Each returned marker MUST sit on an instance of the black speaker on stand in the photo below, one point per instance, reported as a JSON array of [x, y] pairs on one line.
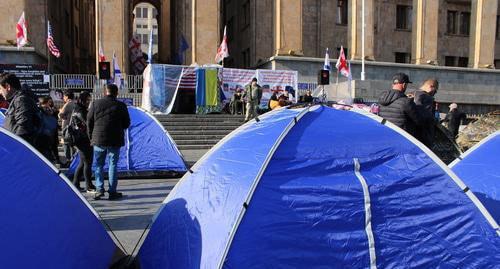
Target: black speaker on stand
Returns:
[[323, 79]]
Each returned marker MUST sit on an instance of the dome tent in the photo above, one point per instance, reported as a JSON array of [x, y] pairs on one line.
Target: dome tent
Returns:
[[45, 220], [318, 187], [149, 150], [479, 168]]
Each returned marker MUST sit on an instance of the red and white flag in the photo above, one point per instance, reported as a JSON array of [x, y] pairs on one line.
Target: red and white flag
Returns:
[[102, 58], [50, 42], [222, 51], [342, 65], [21, 32]]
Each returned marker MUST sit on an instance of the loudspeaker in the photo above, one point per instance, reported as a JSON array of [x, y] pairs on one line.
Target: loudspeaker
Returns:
[[324, 77], [104, 70]]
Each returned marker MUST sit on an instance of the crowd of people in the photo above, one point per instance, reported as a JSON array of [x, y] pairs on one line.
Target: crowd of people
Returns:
[[94, 129]]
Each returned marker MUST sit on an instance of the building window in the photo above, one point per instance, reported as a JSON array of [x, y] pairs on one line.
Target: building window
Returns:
[[463, 61], [342, 12], [464, 23], [451, 22], [145, 39], [497, 63], [155, 26], [402, 57], [403, 17], [498, 28], [145, 12], [155, 39], [138, 13], [155, 13], [449, 61]]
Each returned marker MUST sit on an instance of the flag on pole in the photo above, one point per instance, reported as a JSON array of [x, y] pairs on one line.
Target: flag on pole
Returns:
[[50, 42], [183, 46], [117, 74], [341, 64], [136, 55], [102, 57], [21, 32], [150, 50], [327, 65], [222, 51]]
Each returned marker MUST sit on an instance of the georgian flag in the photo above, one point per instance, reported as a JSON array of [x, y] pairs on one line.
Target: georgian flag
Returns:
[[222, 51], [102, 57], [341, 64], [21, 32]]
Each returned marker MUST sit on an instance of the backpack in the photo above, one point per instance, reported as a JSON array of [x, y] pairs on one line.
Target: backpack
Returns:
[[76, 131]]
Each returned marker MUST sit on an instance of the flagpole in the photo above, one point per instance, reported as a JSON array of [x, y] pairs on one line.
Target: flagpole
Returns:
[[362, 39], [97, 38], [47, 29]]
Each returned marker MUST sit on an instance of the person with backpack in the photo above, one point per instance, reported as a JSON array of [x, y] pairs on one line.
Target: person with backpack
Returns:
[[107, 121], [22, 116], [64, 115], [77, 129]]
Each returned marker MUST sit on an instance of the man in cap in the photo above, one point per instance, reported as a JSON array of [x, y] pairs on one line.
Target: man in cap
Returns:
[[454, 118], [396, 107], [424, 99], [253, 93]]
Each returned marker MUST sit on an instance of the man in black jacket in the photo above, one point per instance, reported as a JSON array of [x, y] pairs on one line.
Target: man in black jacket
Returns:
[[107, 121], [454, 118], [21, 117], [424, 99], [397, 108]]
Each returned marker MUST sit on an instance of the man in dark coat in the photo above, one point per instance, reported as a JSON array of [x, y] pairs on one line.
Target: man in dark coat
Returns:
[[107, 120], [454, 118], [396, 107], [21, 118], [424, 99]]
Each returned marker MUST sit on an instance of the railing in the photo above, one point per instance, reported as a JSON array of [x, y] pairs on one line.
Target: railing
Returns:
[[80, 82]]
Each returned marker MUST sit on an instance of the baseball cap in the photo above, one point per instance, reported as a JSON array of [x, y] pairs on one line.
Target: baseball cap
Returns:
[[400, 78]]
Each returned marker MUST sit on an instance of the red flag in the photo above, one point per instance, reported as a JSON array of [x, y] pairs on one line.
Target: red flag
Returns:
[[341, 64], [222, 51], [102, 58], [21, 32]]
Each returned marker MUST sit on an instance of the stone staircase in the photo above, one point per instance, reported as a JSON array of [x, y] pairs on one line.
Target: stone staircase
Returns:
[[199, 132]]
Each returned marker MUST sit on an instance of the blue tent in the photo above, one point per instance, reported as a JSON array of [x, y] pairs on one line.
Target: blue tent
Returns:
[[2, 116], [316, 187], [149, 149], [45, 222], [479, 168]]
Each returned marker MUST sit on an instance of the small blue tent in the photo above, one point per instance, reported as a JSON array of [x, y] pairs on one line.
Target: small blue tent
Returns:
[[45, 222], [316, 187], [149, 150], [479, 168], [2, 116]]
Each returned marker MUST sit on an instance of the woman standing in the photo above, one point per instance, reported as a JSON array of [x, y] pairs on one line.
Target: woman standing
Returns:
[[82, 142]]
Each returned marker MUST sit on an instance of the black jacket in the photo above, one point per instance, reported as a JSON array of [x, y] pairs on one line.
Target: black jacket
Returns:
[[425, 109], [80, 112], [454, 119], [400, 110], [107, 120], [22, 116]]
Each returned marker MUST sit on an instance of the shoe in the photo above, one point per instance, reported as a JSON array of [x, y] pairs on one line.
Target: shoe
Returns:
[[115, 195], [91, 190], [98, 195]]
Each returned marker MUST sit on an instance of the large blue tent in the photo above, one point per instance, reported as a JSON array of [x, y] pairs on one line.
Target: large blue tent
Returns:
[[149, 149], [44, 220], [316, 187], [479, 168]]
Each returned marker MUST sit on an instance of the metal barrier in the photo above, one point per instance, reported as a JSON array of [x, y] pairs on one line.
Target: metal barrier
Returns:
[[80, 82]]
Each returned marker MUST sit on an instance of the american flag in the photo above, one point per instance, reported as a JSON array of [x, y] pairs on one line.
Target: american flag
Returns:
[[50, 42]]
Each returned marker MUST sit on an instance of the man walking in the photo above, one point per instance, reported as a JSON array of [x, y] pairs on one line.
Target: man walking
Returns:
[[424, 100], [21, 118], [253, 93], [65, 114], [454, 118], [107, 120], [397, 108]]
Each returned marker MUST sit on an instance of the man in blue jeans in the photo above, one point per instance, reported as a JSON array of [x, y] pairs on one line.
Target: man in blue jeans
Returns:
[[107, 121]]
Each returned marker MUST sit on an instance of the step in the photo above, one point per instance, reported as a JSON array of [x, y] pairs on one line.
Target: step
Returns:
[[197, 142], [197, 137], [233, 119], [187, 147], [206, 123], [161, 116], [198, 132], [200, 128]]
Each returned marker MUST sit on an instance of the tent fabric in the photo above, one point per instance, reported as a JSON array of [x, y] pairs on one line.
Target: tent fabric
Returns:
[[148, 148], [2, 117], [479, 168], [45, 222], [315, 188]]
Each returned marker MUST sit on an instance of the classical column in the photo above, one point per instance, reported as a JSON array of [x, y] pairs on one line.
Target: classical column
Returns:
[[355, 28], [482, 34], [205, 36], [425, 31], [112, 30], [288, 27]]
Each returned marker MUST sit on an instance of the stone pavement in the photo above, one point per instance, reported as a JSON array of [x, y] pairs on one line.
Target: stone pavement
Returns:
[[129, 216]]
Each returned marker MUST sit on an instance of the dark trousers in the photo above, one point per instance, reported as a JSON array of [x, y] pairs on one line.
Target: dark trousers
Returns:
[[86, 154], [68, 152]]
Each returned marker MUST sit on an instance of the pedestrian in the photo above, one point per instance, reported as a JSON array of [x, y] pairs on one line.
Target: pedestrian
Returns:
[[46, 138], [64, 115], [424, 100], [236, 103], [273, 101], [396, 107], [454, 118], [107, 120], [253, 92], [308, 98], [54, 145], [21, 116]]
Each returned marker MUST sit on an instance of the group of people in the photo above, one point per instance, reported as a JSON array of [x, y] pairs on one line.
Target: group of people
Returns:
[[416, 113], [95, 129]]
